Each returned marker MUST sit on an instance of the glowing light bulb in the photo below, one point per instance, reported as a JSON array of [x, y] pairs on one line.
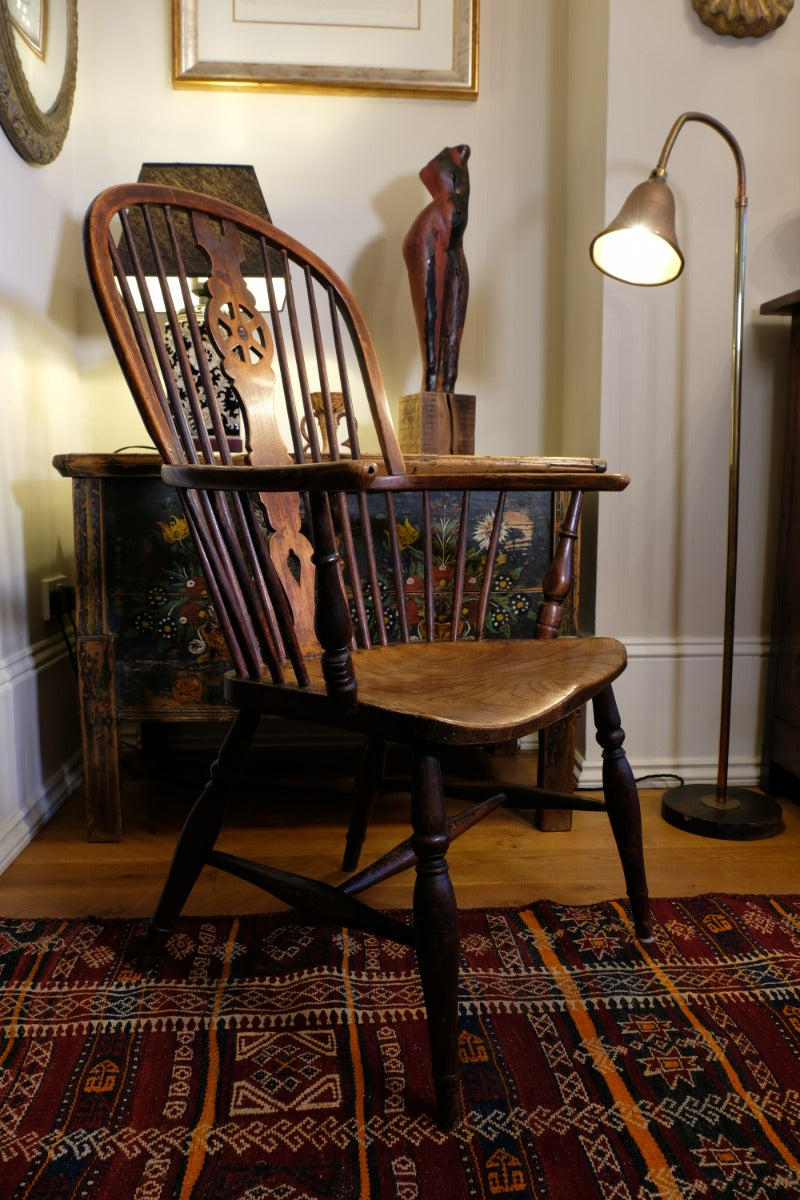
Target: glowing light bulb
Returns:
[[636, 255]]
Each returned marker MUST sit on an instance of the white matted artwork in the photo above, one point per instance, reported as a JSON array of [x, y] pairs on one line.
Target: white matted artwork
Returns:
[[424, 48], [29, 17], [385, 14]]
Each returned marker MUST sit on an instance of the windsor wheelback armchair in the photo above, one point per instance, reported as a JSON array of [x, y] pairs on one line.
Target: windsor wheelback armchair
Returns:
[[255, 374]]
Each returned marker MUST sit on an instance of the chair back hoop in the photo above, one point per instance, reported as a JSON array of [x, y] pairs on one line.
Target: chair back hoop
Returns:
[[240, 346]]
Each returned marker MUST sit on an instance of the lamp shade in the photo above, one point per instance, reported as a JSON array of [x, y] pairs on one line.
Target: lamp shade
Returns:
[[640, 245], [238, 185], [232, 182]]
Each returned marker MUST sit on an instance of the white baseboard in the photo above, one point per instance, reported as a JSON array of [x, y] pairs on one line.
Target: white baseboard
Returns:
[[669, 698], [20, 828], [669, 702], [39, 741], [659, 774]]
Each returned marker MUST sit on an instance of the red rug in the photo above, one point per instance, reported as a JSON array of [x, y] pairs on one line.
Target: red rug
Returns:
[[267, 1059]]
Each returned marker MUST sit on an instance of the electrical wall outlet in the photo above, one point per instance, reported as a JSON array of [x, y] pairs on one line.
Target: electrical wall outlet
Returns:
[[50, 588]]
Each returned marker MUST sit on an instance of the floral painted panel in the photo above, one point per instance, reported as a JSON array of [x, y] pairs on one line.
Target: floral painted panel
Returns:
[[169, 648], [171, 656], [524, 553]]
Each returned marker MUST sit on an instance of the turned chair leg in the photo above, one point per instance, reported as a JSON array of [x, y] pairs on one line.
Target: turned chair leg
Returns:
[[436, 931], [201, 828], [622, 805], [370, 774]]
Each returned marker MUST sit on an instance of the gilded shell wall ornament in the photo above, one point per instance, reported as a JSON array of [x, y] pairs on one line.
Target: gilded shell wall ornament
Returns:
[[743, 18]]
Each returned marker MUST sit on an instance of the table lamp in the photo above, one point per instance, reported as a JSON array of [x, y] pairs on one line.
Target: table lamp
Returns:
[[238, 185]]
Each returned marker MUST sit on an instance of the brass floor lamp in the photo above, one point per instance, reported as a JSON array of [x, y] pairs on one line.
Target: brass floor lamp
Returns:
[[640, 246]]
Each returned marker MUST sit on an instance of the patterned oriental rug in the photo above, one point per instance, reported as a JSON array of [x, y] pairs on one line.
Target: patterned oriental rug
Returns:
[[268, 1059]]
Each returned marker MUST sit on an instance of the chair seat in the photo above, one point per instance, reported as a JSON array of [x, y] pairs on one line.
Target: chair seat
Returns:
[[453, 693]]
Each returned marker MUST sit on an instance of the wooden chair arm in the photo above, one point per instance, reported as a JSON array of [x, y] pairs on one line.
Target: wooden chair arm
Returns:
[[347, 475], [498, 479], [344, 475], [417, 464]]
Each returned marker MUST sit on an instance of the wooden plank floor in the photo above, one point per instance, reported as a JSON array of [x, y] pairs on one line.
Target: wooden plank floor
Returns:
[[503, 861]]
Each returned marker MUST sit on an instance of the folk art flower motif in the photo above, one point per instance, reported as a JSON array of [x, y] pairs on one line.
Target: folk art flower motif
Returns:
[[511, 609], [177, 614], [187, 689], [174, 530], [406, 534], [482, 532], [175, 617]]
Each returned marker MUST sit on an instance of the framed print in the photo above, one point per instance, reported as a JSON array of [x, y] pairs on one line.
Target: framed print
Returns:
[[30, 17], [418, 48]]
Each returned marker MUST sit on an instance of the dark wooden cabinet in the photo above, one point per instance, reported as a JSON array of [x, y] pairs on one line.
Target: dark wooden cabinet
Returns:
[[147, 649], [782, 719]]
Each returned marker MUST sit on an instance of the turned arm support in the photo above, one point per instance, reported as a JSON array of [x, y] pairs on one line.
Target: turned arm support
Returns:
[[332, 623], [557, 583]]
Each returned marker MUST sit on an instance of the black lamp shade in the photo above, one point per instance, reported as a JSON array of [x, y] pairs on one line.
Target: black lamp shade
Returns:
[[236, 184]]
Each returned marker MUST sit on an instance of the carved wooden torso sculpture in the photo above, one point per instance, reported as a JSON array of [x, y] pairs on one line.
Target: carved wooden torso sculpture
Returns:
[[437, 269]]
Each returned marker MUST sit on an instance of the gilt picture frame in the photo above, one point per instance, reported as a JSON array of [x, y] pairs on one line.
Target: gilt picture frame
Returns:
[[414, 48]]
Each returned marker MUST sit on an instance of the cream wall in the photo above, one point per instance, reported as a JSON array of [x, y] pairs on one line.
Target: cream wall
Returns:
[[665, 379], [41, 407], [341, 174], [576, 97]]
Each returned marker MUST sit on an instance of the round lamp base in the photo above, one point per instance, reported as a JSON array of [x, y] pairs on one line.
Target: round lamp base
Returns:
[[743, 816]]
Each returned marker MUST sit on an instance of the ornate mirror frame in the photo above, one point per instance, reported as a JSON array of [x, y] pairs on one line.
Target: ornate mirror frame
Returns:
[[36, 136]]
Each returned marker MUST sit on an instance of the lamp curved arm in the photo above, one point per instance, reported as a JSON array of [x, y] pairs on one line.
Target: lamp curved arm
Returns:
[[661, 168]]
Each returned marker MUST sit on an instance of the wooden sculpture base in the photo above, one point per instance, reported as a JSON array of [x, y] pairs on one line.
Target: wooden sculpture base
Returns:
[[437, 423]]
